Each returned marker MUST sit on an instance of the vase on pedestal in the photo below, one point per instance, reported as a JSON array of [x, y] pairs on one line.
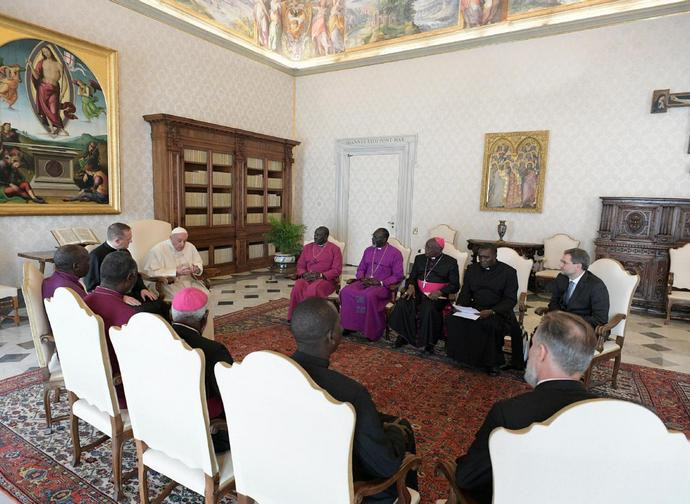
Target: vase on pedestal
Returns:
[[501, 228]]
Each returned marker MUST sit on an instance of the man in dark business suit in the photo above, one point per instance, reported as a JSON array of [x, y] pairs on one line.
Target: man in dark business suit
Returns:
[[578, 291], [380, 441], [561, 351]]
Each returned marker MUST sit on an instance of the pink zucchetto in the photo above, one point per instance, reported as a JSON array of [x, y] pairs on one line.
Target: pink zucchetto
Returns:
[[189, 299], [441, 242]]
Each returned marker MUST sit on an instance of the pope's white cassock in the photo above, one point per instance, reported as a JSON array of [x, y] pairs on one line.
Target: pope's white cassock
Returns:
[[163, 260]]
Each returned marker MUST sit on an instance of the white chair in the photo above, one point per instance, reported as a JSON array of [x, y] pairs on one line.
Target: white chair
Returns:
[[166, 396], [443, 231], [146, 234], [595, 451], [80, 341], [678, 278], [523, 267], [10, 293], [461, 257], [42, 337], [553, 252], [291, 441], [406, 252], [621, 286]]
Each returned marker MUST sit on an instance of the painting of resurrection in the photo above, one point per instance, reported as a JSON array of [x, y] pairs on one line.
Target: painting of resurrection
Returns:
[[514, 171], [55, 125]]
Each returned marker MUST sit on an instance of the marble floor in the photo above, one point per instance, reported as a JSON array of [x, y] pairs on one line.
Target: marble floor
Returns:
[[648, 341]]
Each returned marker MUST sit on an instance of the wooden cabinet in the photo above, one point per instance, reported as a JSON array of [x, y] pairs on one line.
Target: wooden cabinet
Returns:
[[638, 232], [222, 184]]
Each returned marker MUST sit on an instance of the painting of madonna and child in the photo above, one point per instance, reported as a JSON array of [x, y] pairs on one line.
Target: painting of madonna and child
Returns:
[[514, 171], [54, 131]]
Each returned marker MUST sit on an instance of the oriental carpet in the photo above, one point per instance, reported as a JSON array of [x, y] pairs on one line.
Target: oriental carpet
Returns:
[[444, 403]]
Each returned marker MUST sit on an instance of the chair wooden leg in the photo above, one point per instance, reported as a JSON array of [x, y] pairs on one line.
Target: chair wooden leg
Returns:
[[141, 468], [616, 366], [15, 307], [211, 489], [669, 304], [243, 499], [46, 406], [117, 440], [76, 447]]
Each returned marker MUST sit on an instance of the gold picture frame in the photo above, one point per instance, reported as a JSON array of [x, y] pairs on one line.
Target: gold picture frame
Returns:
[[59, 113], [514, 171]]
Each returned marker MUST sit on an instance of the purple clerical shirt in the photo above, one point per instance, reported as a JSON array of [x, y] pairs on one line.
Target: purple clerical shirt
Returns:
[[61, 279], [384, 264], [113, 310]]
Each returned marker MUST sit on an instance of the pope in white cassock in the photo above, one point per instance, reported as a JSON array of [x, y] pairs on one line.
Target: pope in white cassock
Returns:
[[175, 258]]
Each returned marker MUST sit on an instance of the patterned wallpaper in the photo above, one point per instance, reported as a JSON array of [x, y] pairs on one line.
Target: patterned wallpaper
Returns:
[[161, 70], [592, 91]]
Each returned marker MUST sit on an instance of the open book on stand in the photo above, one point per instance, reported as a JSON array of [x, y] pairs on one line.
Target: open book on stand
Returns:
[[77, 236]]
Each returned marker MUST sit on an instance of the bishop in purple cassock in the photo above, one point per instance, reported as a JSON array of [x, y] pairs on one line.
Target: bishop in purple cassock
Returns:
[[363, 302]]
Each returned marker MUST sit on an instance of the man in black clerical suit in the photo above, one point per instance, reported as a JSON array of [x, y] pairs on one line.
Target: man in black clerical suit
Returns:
[[417, 316], [578, 291], [561, 351], [380, 441], [489, 286], [118, 237]]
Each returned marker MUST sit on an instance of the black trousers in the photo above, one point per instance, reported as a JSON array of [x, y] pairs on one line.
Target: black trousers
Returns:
[[418, 320]]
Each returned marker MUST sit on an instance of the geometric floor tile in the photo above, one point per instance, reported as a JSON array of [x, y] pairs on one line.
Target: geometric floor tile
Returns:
[[655, 346], [653, 335], [660, 361], [29, 345], [13, 357]]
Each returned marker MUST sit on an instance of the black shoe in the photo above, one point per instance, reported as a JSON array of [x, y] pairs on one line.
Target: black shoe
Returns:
[[399, 342], [348, 331], [492, 371], [429, 349]]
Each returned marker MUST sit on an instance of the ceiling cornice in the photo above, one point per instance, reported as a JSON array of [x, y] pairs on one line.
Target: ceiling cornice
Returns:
[[527, 28]]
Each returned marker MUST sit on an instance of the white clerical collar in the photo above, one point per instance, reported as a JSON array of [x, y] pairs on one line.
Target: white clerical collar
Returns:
[[575, 280]]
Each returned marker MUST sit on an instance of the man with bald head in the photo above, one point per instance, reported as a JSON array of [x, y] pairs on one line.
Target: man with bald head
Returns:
[[417, 316], [380, 441], [71, 263], [318, 269], [178, 261]]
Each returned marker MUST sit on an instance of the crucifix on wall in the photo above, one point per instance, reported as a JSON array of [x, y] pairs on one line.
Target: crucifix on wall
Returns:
[[662, 100]]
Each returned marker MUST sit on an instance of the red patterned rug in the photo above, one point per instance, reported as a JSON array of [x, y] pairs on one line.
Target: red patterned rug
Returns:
[[445, 404]]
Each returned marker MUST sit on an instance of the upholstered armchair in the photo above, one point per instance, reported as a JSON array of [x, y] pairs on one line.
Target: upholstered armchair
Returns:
[[443, 231], [554, 247], [42, 336], [285, 454], [80, 341], [678, 291], [146, 234], [334, 298], [456, 495], [568, 454], [621, 286], [523, 267], [166, 398]]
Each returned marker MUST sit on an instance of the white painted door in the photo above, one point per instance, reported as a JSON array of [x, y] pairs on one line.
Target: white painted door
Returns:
[[372, 200]]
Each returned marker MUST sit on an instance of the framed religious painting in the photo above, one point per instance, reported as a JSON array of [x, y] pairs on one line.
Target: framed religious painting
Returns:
[[58, 123], [514, 171]]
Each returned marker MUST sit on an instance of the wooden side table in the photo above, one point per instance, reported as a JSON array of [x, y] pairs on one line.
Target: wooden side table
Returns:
[[42, 257]]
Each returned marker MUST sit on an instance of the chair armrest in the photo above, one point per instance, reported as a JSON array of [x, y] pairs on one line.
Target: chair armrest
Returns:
[[541, 310], [218, 424], [365, 488], [522, 307], [602, 332], [46, 338], [157, 279], [669, 287], [446, 468], [209, 272]]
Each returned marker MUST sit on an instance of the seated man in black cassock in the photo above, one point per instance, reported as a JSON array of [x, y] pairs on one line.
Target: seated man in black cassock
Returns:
[[380, 441], [561, 351], [490, 286], [418, 314], [118, 237], [578, 291]]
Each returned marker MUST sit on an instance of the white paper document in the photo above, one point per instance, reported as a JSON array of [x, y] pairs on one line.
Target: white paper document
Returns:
[[466, 312]]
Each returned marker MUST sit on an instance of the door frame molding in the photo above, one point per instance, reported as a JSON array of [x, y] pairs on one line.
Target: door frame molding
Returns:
[[405, 146]]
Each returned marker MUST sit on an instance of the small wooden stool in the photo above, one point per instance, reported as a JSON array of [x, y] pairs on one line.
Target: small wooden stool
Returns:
[[10, 292]]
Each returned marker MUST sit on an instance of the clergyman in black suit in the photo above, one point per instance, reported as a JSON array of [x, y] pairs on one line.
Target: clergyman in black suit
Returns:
[[578, 291], [561, 351], [380, 440]]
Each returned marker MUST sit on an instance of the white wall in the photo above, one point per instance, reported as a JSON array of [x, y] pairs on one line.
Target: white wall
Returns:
[[591, 90], [161, 70]]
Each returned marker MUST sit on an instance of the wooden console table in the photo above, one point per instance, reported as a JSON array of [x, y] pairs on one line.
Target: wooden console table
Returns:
[[528, 250], [42, 257]]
